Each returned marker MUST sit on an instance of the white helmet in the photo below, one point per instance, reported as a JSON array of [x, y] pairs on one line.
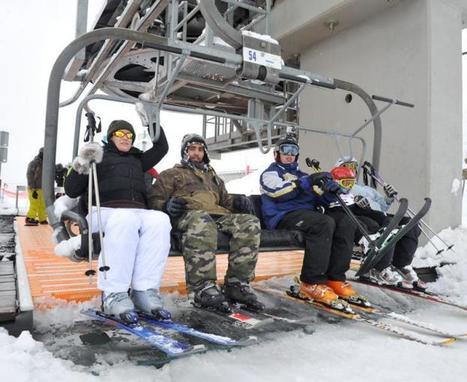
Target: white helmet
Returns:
[[346, 159]]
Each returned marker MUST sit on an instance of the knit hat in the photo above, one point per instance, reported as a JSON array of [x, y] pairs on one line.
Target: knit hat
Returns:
[[188, 140], [120, 125]]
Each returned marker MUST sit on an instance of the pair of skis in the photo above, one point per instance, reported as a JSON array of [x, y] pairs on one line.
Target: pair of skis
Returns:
[[391, 235], [155, 333], [413, 292], [371, 316]]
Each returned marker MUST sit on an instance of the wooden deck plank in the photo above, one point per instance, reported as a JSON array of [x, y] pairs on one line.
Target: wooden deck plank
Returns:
[[58, 277]]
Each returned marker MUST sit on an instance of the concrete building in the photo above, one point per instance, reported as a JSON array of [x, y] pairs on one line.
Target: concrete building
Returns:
[[409, 50]]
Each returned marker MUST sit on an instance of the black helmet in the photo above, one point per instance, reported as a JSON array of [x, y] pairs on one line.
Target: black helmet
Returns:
[[287, 141], [189, 139]]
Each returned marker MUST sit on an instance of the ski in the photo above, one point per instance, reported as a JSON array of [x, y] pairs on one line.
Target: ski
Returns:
[[413, 292], [366, 319], [386, 242], [184, 329], [172, 348], [237, 316], [406, 320]]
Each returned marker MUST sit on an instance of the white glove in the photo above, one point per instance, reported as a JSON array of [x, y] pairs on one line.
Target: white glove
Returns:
[[362, 202], [81, 166], [67, 248], [64, 203], [91, 152]]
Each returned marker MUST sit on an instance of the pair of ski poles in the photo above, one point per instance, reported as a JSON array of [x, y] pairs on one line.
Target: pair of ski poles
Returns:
[[314, 164], [93, 187], [378, 179]]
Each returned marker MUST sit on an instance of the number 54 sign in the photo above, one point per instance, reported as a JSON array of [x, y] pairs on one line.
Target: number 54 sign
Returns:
[[262, 58]]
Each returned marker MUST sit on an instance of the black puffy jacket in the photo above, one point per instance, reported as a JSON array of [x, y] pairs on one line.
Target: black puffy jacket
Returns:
[[120, 175]]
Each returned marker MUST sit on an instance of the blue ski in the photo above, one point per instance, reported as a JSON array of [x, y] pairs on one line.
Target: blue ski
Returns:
[[172, 348], [184, 329]]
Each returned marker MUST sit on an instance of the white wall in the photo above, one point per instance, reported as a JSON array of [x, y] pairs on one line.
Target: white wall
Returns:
[[412, 52]]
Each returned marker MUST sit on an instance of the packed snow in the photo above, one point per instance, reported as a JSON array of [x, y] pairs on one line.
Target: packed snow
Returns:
[[334, 352]]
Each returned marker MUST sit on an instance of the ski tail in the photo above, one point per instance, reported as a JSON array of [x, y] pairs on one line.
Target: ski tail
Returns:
[[187, 330], [378, 247], [416, 293], [169, 346], [388, 242]]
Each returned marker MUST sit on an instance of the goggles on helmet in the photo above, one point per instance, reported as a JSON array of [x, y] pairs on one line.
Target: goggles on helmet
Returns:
[[346, 182], [288, 149], [352, 165]]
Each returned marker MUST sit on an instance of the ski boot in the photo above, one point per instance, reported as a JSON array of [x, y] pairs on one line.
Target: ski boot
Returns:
[[119, 305], [211, 298], [242, 293], [30, 222], [345, 291], [388, 276], [324, 295], [409, 275], [149, 301]]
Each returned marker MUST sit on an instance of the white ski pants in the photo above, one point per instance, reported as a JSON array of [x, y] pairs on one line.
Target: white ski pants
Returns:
[[136, 246]]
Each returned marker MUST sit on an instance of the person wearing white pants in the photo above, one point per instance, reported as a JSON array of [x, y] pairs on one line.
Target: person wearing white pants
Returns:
[[136, 240], [136, 244]]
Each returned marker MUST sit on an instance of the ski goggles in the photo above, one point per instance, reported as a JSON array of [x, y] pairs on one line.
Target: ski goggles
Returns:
[[352, 165], [346, 182], [121, 134], [288, 149]]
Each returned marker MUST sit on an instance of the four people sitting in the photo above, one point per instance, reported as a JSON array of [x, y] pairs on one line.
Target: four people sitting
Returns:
[[199, 206]]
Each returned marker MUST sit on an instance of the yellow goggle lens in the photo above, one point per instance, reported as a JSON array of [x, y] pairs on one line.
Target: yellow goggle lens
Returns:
[[121, 134], [346, 182]]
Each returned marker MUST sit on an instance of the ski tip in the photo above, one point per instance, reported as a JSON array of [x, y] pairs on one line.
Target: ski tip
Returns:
[[200, 348], [447, 341], [250, 340]]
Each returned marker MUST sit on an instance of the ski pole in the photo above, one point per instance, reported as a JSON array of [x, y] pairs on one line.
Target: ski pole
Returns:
[[438, 251], [381, 182], [313, 163]]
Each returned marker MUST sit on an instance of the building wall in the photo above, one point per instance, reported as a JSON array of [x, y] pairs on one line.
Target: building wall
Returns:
[[412, 52]]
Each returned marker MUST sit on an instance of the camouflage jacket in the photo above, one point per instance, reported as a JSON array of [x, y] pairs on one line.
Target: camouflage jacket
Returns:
[[203, 190], [34, 173]]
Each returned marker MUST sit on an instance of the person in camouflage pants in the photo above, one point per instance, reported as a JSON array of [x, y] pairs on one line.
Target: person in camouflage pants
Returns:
[[199, 205]]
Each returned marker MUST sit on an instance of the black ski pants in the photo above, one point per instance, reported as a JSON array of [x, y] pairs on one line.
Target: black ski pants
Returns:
[[403, 252], [328, 243]]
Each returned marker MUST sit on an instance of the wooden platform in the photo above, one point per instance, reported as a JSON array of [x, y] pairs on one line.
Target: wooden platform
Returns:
[[58, 277]]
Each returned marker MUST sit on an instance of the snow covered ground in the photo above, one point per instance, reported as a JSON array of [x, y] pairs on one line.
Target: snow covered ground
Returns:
[[345, 351]]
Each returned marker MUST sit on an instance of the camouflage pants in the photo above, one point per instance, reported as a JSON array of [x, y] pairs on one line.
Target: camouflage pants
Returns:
[[199, 244]]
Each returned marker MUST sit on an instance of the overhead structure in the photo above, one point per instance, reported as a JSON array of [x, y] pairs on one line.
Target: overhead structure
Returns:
[[202, 57]]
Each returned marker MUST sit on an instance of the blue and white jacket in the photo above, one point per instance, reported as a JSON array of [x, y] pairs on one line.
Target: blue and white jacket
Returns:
[[281, 193], [377, 201]]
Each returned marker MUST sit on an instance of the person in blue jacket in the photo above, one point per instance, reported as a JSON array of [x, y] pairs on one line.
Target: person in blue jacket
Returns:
[[292, 199]]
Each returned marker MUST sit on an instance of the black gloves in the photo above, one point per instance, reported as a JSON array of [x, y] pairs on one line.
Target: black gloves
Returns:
[[321, 182], [34, 194], [362, 202], [332, 186], [243, 205], [175, 207]]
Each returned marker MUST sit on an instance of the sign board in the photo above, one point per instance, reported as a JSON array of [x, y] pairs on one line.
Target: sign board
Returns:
[[4, 135]]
